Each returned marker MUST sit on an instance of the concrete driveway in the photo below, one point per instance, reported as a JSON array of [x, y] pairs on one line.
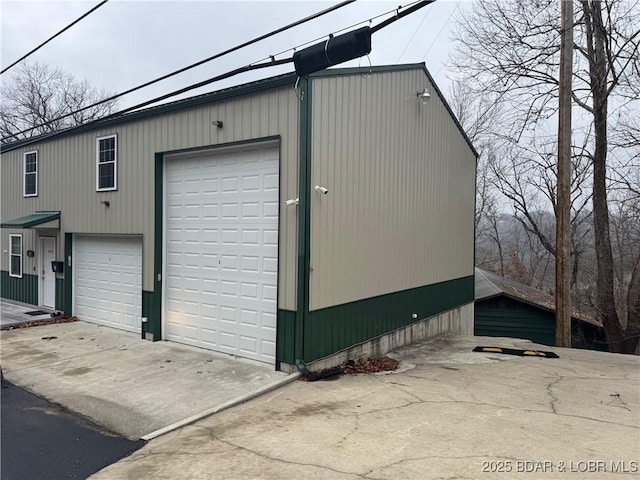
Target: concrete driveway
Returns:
[[448, 413], [130, 386]]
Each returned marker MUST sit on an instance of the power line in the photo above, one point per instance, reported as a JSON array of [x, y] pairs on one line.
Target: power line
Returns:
[[414, 35], [54, 36], [441, 30], [368, 20], [399, 14], [410, 8], [230, 73], [189, 67]]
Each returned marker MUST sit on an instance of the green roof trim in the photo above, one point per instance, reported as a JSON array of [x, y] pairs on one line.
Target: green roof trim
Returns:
[[287, 79], [33, 220], [278, 81]]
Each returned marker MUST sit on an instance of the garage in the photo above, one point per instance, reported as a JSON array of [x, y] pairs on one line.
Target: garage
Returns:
[[107, 276], [221, 251]]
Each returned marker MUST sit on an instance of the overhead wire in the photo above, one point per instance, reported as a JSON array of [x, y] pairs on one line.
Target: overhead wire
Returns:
[[259, 64], [191, 66], [414, 35], [441, 30], [271, 61], [344, 29], [54, 36], [217, 78]]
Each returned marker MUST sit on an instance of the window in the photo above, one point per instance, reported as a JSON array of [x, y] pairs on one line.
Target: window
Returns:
[[30, 174], [106, 163], [15, 254]]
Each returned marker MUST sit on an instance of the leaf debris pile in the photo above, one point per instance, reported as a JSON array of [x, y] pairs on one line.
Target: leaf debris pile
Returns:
[[369, 365], [39, 323]]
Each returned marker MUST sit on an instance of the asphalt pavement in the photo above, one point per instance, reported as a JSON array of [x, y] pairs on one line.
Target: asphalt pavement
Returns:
[[41, 440]]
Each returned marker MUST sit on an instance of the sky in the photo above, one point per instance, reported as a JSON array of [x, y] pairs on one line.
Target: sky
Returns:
[[126, 43]]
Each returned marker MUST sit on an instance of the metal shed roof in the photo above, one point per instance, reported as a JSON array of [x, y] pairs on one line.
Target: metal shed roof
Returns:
[[489, 285]]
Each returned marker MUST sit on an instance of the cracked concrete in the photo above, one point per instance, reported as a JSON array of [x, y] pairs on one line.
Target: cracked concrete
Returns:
[[451, 413]]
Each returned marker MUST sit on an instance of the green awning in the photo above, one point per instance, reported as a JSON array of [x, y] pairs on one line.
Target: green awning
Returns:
[[33, 220]]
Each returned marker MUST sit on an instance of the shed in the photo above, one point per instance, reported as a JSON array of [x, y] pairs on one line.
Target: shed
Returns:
[[506, 308], [283, 219]]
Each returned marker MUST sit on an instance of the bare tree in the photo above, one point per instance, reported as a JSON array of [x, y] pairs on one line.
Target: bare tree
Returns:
[[510, 49], [37, 94]]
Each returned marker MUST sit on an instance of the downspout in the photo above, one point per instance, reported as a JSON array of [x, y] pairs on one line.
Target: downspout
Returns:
[[304, 215]]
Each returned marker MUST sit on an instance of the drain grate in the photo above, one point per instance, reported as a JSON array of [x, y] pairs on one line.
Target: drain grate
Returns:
[[33, 313]]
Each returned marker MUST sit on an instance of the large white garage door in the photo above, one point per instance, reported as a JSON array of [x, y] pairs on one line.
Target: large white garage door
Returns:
[[107, 276], [221, 257]]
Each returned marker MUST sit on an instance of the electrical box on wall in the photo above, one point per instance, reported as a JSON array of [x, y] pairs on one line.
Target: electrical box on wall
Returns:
[[57, 266]]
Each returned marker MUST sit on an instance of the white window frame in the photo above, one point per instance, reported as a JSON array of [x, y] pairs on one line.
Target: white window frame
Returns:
[[11, 255], [25, 173], [115, 163]]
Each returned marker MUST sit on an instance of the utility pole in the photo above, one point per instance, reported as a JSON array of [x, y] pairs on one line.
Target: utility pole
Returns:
[[563, 197]]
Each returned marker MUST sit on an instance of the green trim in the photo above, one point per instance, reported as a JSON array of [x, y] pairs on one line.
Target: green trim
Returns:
[[304, 215], [338, 72], [216, 96], [60, 294], [152, 306], [332, 329], [287, 79], [23, 289], [68, 274], [28, 221], [285, 332], [151, 309], [244, 89], [218, 146], [451, 114]]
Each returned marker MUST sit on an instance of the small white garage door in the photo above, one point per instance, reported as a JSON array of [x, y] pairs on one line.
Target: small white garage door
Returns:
[[221, 252], [107, 276]]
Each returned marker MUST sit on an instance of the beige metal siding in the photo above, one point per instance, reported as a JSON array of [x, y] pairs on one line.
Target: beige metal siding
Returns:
[[401, 180], [29, 242], [67, 172]]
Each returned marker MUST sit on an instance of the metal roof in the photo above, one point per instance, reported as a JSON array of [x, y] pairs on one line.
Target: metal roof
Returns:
[[243, 89], [32, 220], [490, 285]]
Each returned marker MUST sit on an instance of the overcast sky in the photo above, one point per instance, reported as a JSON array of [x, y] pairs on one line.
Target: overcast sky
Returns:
[[125, 43]]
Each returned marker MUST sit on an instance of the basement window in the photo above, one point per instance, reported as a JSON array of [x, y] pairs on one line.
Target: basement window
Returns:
[[106, 163], [15, 254], [30, 186]]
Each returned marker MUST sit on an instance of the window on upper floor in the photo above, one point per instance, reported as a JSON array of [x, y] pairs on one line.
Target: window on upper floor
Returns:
[[30, 186], [106, 163], [15, 256]]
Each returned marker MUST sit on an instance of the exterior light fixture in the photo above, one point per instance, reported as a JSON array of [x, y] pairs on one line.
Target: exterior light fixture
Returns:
[[105, 203], [424, 95], [217, 123]]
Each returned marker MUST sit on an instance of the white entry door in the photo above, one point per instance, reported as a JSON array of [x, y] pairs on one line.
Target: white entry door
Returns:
[[47, 285], [221, 252]]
